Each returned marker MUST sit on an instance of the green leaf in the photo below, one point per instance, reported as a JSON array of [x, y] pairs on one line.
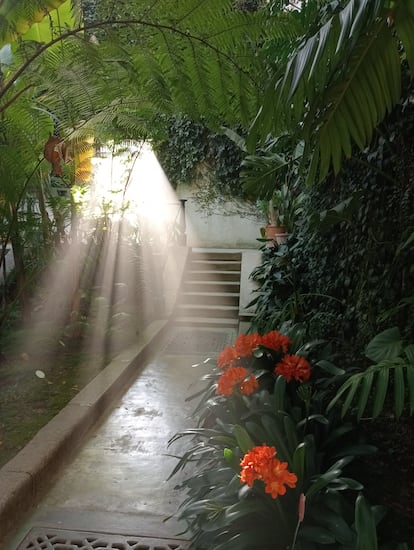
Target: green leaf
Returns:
[[45, 30], [290, 431], [298, 461], [349, 483], [356, 450], [409, 352], [322, 481], [352, 390], [279, 393], [327, 366], [367, 380], [410, 380], [404, 23], [317, 417], [316, 534], [365, 525], [17, 20], [381, 391], [385, 345], [276, 436], [243, 439], [334, 523], [399, 390]]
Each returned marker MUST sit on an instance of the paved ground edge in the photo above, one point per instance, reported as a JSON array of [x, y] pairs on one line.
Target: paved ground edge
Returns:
[[25, 478]]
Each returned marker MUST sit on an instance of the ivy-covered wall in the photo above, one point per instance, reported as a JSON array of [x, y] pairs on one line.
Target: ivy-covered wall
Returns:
[[190, 147], [348, 272]]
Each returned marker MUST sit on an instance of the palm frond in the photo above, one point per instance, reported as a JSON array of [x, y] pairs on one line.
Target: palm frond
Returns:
[[375, 384], [340, 82], [349, 111]]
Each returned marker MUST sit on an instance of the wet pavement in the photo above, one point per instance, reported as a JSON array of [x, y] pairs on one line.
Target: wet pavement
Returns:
[[118, 482]]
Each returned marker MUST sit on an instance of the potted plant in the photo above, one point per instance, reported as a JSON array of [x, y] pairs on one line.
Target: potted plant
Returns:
[[275, 229], [281, 212]]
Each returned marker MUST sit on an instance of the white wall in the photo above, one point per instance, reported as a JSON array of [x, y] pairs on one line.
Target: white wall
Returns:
[[226, 224]]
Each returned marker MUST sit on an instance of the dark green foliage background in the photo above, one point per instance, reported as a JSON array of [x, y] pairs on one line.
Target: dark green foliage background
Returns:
[[351, 278]]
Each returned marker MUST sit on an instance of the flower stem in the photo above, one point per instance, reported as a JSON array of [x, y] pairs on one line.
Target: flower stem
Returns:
[[295, 536]]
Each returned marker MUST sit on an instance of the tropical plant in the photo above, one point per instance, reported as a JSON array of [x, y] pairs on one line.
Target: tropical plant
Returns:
[[263, 445], [393, 371], [342, 77], [57, 80]]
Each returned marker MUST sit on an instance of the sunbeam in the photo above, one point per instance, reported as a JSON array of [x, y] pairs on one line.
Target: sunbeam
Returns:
[[107, 282]]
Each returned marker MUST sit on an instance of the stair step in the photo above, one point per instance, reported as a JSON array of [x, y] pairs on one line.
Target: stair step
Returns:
[[206, 322], [194, 310], [203, 275], [211, 286], [210, 298], [216, 255], [214, 265]]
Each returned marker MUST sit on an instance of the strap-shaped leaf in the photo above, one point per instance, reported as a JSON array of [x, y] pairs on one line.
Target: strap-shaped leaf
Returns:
[[244, 441], [276, 436], [352, 391], [365, 525], [346, 386], [409, 352], [279, 394], [364, 393], [336, 524], [298, 461], [317, 534], [399, 390], [381, 391], [404, 23], [410, 380], [351, 109], [290, 431], [322, 481]]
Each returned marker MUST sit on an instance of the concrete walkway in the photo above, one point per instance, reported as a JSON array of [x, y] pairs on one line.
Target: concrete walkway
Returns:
[[115, 489]]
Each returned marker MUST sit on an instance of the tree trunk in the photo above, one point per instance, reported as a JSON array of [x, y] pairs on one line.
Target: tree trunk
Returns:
[[20, 269]]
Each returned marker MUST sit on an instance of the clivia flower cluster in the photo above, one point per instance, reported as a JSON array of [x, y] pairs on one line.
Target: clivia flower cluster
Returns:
[[260, 463], [236, 377]]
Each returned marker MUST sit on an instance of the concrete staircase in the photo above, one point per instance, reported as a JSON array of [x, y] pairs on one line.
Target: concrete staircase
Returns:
[[210, 290]]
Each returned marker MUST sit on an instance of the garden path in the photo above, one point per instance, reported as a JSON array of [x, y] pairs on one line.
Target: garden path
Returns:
[[116, 486]]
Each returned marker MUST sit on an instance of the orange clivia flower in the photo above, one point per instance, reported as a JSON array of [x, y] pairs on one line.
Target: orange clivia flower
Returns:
[[276, 341], [278, 478], [260, 463], [294, 367], [246, 343], [235, 377], [227, 357], [255, 462], [249, 386]]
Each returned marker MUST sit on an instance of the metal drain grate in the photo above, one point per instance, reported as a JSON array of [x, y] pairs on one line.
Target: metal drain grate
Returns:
[[53, 539], [198, 341]]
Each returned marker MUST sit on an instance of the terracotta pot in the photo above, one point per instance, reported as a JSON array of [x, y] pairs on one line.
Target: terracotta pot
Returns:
[[277, 233]]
